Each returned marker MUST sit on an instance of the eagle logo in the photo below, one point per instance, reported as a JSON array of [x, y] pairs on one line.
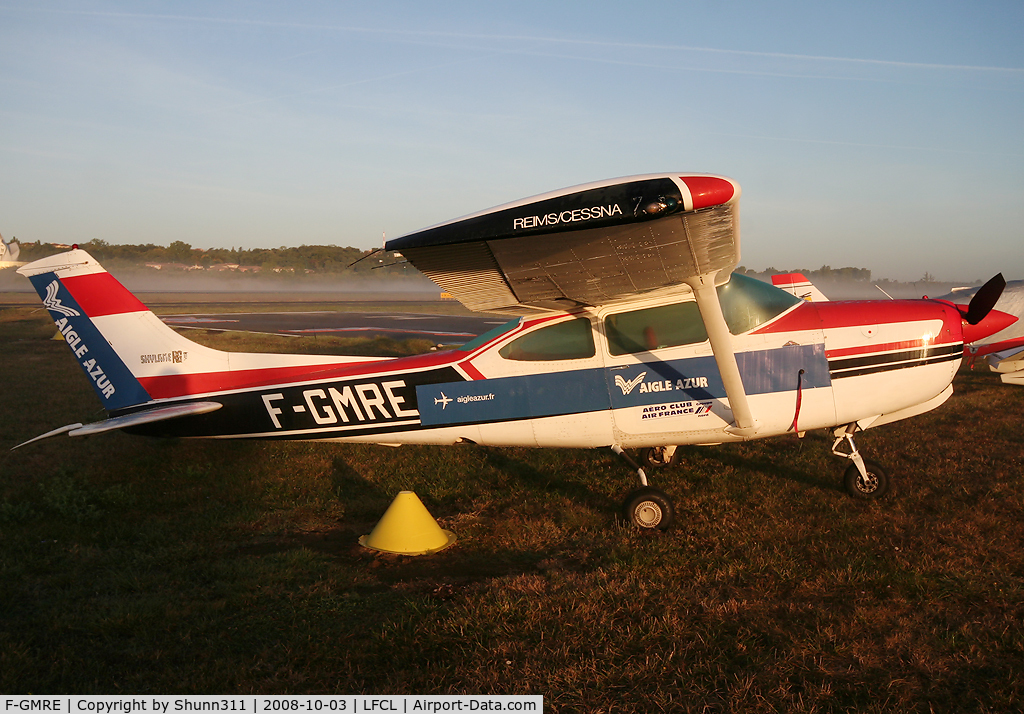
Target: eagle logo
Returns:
[[52, 302], [627, 387]]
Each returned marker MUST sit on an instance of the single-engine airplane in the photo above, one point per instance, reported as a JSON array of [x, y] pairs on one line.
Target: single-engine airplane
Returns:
[[633, 334]]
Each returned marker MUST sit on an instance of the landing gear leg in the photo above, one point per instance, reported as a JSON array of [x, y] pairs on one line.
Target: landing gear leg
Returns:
[[863, 479], [646, 507]]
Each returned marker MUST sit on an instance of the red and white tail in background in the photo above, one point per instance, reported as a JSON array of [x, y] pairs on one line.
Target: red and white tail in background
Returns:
[[797, 284], [131, 357]]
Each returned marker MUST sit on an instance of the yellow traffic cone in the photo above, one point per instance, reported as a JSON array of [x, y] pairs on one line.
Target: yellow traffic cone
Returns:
[[407, 528]]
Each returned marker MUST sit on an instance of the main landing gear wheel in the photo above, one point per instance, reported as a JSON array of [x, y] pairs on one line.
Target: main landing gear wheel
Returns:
[[657, 457], [874, 486], [649, 509]]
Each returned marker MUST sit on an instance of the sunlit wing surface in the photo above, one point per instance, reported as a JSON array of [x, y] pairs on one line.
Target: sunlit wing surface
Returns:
[[587, 245], [1009, 364]]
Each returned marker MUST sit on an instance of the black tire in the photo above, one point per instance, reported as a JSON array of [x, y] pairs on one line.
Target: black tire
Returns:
[[654, 457], [875, 486], [648, 508]]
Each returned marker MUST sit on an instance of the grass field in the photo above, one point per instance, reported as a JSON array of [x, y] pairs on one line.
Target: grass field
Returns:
[[130, 565]]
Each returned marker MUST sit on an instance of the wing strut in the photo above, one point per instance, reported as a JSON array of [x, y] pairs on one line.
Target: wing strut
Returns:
[[725, 357]]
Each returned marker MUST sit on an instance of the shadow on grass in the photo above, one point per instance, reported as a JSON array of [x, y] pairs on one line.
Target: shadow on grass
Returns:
[[362, 498], [532, 478], [735, 457]]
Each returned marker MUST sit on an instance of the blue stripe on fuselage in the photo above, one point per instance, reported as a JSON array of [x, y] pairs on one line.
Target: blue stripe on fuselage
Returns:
[[590, 390]]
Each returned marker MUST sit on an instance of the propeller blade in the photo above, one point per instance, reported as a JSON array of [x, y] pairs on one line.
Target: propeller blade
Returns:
[[984, 300]]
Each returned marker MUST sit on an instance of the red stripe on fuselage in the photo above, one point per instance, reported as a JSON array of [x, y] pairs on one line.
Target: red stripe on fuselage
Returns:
[[168, 386], [857, 313], [887, 347], [471, 371], [100, 294]]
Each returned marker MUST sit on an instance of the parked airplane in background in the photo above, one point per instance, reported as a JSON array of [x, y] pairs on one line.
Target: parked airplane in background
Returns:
[[798, 285], [634, 335], [9, 253], [1003, 350]]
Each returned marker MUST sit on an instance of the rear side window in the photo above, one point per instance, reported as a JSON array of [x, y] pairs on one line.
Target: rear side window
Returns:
[[566, 340], [654, 328], [491, 334]]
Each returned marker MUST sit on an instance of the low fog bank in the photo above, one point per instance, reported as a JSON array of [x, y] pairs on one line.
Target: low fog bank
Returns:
[[402, 288], [417, 286]]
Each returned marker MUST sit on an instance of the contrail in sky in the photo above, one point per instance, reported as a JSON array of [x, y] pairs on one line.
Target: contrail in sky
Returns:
[[492, 38]]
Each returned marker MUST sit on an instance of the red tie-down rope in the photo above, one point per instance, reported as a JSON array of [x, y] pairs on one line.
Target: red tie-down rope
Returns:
[[799, 399]]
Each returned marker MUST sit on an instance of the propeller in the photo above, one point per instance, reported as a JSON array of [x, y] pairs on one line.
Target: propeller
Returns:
[[984, 300]]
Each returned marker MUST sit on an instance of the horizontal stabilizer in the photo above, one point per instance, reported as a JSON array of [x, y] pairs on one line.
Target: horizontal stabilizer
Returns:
[[147, 416]]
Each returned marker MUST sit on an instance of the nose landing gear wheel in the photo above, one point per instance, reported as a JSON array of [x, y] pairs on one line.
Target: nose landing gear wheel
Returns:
[[874, 486], [649, 509]]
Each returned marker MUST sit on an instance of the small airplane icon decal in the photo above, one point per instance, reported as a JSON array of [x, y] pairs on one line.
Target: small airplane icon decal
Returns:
[[443, 401]]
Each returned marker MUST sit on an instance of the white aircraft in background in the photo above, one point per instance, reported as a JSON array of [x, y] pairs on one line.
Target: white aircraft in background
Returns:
[[1004, 350], [636, 335], [9, 253]]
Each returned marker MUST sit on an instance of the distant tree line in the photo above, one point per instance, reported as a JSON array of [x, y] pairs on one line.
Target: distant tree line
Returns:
[[825, 273], [303, 259]]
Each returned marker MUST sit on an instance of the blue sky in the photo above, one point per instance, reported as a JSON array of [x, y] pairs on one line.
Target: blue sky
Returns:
[[887, 136]]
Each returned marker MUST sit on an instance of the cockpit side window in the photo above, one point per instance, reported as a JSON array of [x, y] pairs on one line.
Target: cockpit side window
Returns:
[[748, 303], [573, 339], [654, 328]]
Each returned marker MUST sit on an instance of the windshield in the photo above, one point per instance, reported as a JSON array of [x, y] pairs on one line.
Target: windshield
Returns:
[[748, 302], [490, 335]]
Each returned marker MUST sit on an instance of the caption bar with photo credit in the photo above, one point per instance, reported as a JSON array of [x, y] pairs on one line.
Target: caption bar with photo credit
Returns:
[[361, 703]]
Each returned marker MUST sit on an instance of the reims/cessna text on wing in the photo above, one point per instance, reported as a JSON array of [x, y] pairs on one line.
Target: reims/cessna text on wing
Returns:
[[635, 336]]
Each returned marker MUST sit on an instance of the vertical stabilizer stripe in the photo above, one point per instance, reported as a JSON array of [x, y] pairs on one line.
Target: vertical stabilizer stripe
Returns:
[[100, 294]]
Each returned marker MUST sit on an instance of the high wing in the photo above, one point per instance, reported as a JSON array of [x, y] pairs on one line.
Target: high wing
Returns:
[[596, 244], [586, 245]]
